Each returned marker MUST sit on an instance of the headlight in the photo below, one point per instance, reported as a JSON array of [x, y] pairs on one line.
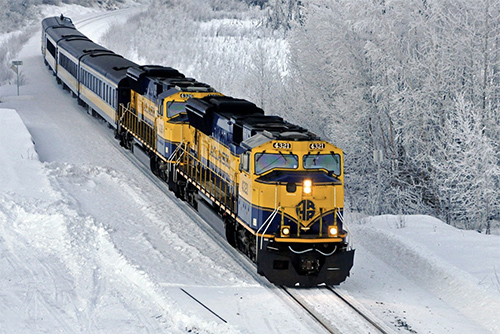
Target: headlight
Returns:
[[332, 231], [307, 186], [285, 231]]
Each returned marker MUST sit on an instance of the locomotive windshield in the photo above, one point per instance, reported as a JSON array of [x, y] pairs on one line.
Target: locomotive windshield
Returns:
[[267, 161], [330, 162], [175, 108]]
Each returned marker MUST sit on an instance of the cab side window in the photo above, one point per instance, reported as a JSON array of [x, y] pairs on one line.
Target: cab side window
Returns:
[[245, 162]]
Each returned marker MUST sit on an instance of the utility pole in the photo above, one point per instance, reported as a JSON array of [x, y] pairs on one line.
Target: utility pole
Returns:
[[15, 68]]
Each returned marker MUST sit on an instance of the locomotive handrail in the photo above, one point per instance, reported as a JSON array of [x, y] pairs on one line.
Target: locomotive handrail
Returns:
[[142, 130], [177, 162], [175, 151], [268, 223], [218, 187]]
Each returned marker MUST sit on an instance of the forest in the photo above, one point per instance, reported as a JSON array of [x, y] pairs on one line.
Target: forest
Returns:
[[414, 86], [409, 89]]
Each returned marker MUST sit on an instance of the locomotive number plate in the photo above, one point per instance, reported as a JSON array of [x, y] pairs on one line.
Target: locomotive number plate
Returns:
[[316, 146], [282, 146]]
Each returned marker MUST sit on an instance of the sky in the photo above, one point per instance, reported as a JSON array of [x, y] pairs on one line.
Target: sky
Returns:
[[90, 244]]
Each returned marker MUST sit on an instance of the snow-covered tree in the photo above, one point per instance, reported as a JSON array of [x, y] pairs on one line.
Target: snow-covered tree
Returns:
[[383, 76], [467, 165]]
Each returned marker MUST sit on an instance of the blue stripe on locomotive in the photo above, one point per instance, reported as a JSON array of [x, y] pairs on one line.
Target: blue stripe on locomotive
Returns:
[[248, 212], [165, 147]]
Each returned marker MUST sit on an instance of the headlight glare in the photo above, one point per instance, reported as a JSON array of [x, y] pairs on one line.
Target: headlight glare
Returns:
[[285, 231], [332, 231], [307, 186]]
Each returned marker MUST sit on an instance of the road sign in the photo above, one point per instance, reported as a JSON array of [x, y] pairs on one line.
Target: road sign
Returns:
[[15, 68]]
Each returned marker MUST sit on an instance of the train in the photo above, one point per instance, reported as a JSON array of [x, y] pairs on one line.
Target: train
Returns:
[[277, 188]]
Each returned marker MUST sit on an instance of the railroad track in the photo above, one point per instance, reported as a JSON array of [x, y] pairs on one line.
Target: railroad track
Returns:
[[381, 328], [330, 308], [326, 324], [81, 23]]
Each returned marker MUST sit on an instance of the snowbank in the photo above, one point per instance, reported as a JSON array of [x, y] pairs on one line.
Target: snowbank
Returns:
[[459, 267], [60, 270], [22, 173]]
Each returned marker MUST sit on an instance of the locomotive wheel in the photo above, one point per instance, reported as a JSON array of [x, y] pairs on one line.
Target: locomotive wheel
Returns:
[[126, 140], [246, 242], [162, 172], [190, 195], [252, 247], [158, 167], [170, 178], [180, 189]]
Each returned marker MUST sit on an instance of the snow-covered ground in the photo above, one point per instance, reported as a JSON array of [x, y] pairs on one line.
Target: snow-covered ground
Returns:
[[88, 244]]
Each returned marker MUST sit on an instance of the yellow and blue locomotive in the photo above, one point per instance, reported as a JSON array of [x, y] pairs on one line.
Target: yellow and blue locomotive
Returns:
[[278, 187], [283, 190]]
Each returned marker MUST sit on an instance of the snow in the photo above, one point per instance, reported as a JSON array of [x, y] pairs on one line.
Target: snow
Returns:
[[89, 244], [437, 278]]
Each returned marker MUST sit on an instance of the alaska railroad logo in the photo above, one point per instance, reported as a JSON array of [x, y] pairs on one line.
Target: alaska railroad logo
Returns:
[[306, 209]]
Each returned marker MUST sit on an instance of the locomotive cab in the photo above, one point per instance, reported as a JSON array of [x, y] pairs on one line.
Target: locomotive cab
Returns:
[[157, 110], [291, 195]]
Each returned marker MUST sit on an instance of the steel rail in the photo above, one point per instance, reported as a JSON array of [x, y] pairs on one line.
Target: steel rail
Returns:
[[309, 311], [357, 310]]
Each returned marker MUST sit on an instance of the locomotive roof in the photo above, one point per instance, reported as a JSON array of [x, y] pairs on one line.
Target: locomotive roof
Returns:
[[170, 79], [279, 128], [263, 136], [226, 105], [110, 65], [153, 72], [245, 115], [186, 85]]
